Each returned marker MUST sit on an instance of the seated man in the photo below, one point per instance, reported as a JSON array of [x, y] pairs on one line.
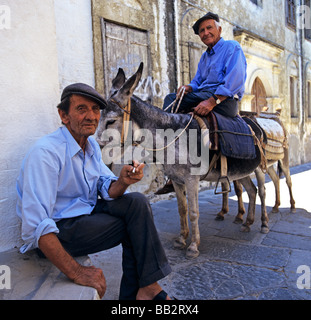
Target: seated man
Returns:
[[58, 187], [220, 79]]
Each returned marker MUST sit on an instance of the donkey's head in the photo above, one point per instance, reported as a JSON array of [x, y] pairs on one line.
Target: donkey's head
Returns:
[[120, 93]]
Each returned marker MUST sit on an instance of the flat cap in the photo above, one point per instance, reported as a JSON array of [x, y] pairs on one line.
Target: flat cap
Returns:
[[209, 15], [84, 90]]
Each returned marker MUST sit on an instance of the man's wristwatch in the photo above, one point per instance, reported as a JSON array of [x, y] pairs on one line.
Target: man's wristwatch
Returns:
[[218, 101]]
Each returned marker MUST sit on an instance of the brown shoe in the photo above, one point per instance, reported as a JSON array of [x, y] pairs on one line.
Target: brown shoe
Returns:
[[166, 189]]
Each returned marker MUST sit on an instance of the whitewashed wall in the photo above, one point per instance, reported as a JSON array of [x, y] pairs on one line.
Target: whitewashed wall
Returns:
[[47, 46], [28, 94], [74, 42]]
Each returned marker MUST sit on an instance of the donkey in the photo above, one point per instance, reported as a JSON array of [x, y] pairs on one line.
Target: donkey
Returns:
[[185, 176], [283, 168]]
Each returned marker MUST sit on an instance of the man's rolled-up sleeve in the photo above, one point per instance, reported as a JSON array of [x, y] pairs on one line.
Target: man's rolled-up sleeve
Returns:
[[36, 196], [104, 182]]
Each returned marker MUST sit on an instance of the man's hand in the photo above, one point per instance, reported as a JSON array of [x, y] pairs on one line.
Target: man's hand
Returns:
[[87, 276], [129, 174], [204, 107], [91, 277], [180, 89]]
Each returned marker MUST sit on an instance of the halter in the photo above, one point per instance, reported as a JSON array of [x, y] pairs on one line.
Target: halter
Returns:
[[126, 119]]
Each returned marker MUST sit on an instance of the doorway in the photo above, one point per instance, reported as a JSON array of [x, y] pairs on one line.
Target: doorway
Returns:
[[260, 97]]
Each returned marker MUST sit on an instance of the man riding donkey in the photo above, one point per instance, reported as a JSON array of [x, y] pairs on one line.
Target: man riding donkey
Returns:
[[220, 79]]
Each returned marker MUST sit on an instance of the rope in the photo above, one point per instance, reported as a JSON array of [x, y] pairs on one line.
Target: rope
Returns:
[[183, 90], [165, 147], [126, 119], [263, 162]]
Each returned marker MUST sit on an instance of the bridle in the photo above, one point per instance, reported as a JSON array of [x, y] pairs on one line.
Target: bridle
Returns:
[[126, 118], [126, 121]]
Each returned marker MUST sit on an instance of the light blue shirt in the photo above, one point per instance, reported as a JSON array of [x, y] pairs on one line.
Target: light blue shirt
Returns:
[[222, 70], [57, 180]]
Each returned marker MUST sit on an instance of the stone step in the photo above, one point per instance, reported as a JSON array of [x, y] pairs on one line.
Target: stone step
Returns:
[[28, 277]]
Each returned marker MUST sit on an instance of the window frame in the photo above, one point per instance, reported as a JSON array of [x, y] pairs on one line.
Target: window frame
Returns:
[[290, 16]]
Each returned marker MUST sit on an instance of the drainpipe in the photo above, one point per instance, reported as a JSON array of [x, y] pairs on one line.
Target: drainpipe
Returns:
[[177, 46], [300, 37]]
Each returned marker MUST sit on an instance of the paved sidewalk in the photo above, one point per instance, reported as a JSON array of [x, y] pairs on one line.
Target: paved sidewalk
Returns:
[[232, 264]]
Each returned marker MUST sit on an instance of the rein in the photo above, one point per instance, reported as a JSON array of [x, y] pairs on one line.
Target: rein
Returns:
[[126, 118]]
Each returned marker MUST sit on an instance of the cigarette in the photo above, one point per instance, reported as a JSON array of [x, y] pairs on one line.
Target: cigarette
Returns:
[[134, 169]]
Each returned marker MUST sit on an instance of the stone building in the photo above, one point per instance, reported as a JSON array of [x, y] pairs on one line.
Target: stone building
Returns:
[[46, 45], [277, 49]]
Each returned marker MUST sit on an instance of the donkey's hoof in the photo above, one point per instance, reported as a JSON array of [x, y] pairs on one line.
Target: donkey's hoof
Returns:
[[180, 243], [238, 221], [275, 210], [192, 252], [219, 218], [245, 228], [293, 210], [264, 229]]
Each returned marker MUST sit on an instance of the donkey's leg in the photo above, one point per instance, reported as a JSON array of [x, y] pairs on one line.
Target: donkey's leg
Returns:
[[192, 187], [262, 194], [251, 192], [285, 168], [225, 203], [276, 181], [241, 209], [180, 189]]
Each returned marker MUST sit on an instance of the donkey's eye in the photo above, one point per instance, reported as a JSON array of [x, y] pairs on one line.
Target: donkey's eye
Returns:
[[114, 93], [110, 122]]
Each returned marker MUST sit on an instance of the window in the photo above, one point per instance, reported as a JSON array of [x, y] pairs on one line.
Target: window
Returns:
[[293, 97], [309, 98], [291, 13]]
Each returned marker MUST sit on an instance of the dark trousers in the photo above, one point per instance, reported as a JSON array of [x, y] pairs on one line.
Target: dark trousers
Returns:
[[127, 220], [228, 108]]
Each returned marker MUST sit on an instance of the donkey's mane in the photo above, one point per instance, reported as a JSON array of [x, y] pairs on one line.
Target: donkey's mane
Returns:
[[156, 117]]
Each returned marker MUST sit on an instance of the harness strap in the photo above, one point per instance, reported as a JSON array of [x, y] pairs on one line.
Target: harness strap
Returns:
[[126, 121]]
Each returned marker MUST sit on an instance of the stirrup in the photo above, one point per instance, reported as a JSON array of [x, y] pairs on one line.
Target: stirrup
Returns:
[[225, 191]]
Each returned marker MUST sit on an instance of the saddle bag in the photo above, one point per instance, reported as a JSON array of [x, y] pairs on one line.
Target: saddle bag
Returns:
[[235, 137], [276, 135]]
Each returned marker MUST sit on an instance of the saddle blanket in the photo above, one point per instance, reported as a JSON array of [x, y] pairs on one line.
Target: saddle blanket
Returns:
[[235, 137]]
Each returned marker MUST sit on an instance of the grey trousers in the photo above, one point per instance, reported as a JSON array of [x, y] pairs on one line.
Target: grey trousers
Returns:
[[127, 220]]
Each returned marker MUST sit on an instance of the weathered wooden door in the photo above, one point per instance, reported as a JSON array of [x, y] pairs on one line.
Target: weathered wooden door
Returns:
[[126, 48], [260, 99]]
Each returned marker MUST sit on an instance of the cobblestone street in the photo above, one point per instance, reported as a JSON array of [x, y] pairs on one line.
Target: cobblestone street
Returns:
[[232, 264]]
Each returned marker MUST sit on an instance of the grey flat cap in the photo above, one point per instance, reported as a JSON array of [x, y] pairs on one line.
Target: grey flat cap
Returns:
[[84, 90], [209, 15]]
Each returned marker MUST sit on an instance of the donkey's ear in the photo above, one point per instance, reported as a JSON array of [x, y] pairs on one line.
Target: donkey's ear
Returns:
[[118, 81], [131, 84]]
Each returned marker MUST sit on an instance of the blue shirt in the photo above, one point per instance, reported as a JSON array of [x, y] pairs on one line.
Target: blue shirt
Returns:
[[222, 70], [57, 180]]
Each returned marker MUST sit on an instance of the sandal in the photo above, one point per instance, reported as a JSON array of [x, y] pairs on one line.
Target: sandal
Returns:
[[160, 296]]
